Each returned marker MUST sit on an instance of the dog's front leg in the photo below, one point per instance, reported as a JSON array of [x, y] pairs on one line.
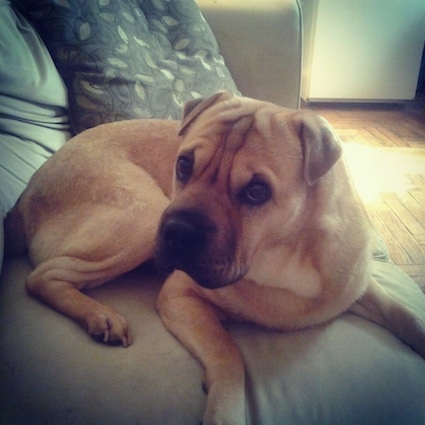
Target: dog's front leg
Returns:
[[378, 306], [196, 324], [57, 282]]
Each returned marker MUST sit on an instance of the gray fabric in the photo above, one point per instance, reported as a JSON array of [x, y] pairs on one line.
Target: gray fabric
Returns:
[[1, 245], [33, 105]]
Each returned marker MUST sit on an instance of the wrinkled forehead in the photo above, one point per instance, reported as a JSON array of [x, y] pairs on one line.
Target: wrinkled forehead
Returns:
[[259, 129], [235, 147], [230, 121]]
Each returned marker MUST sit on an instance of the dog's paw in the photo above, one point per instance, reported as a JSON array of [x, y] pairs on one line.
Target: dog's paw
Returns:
[[225, 406], [223, 421], [109, 327]]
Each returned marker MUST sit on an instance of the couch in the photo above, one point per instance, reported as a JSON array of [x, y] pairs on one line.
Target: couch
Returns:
[[57, 77]]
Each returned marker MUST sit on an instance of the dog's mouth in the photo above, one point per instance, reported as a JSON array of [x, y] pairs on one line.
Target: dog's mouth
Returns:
[[208, 274]]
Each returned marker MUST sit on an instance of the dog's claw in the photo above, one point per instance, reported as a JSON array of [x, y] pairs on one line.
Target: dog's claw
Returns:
[[108, 327], [112, 342]]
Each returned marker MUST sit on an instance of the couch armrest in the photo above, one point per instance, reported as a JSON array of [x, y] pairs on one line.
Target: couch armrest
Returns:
[[261, 44]]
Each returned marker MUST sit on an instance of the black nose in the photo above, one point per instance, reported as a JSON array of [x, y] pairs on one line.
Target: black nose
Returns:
[[182, 235], [183, 238]]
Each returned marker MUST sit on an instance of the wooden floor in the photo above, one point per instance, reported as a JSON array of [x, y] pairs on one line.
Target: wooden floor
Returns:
[[385, 148]]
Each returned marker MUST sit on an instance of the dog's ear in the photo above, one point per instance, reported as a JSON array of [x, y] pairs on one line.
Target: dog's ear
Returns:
[[194, 108], [321, 146]]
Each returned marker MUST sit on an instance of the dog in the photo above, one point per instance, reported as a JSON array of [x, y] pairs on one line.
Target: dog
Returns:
[[249, 208]]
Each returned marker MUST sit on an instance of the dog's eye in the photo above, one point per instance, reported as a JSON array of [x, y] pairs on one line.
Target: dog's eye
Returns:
[[256, 193], [184, 168]]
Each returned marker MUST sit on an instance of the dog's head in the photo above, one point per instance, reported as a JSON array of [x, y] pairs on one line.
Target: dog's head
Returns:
[[243, 175]]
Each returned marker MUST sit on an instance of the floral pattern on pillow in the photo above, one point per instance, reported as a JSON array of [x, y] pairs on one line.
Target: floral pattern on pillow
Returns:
[[124, 59]]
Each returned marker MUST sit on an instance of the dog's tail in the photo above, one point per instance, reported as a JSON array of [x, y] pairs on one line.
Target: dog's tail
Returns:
[[14, 234]]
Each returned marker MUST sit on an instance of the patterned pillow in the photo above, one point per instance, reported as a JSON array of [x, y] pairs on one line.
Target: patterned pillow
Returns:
[[125, 59]]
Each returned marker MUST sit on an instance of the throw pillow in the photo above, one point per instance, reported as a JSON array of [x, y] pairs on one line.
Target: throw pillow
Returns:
[[127, 59]]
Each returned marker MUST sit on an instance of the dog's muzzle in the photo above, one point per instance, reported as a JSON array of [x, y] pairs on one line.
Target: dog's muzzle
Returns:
[[184, 242]]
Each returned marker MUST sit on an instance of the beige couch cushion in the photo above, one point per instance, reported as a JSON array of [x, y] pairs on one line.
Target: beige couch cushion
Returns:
[[347, 372]]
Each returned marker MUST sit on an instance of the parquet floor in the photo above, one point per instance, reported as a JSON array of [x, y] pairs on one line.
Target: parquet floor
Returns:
[[385, 149]]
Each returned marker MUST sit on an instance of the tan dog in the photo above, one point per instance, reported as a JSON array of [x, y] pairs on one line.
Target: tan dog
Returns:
[[264, 225]]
